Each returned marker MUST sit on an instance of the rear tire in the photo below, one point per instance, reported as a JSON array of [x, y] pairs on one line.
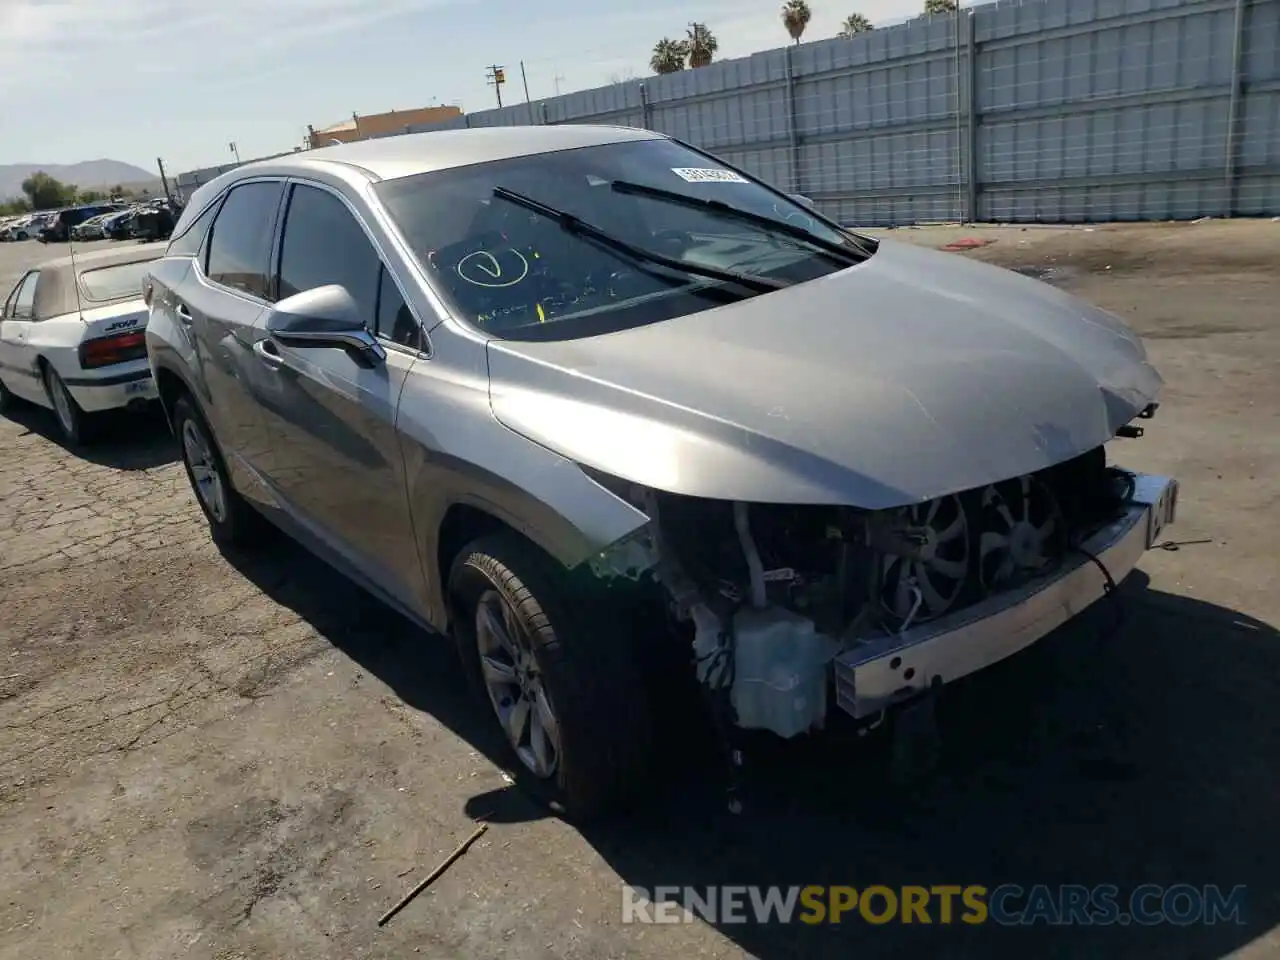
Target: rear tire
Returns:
[[6, 398], [232, 522], [76, 425], [575, 669]]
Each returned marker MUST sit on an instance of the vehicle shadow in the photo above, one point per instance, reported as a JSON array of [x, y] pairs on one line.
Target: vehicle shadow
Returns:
[[1130, 753], [124, 440], [1126, 751]]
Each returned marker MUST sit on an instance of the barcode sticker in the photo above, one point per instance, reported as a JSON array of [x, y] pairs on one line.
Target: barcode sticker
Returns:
[[708, 175]]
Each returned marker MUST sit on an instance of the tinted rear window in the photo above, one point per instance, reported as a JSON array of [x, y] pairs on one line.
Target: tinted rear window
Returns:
[[239, 244], [120, 282]]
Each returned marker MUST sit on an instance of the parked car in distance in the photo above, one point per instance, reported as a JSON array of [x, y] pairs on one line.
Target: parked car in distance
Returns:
[[117, 226], [59, 225], [38, 224], [21, 228], [605, 408], [154, 221], [91, 229], [72, 337]]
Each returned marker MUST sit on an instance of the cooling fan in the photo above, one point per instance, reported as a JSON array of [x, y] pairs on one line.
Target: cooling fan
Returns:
[[1021, 532]]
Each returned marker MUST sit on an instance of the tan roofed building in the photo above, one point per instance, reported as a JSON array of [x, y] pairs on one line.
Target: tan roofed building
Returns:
[[378, 124]]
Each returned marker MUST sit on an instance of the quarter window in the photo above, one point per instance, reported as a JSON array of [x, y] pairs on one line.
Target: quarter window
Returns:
[[395, 321], [187, 244], [8, 303], [240, 241], [24, 298]]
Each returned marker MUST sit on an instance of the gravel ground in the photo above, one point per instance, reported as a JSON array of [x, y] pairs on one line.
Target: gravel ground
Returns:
[[224, 757]]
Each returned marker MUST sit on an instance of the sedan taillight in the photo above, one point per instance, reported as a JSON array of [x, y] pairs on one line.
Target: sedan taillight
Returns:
[[121, 348]]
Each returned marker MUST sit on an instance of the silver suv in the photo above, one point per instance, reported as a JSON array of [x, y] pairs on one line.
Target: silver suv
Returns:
[[582, 396]]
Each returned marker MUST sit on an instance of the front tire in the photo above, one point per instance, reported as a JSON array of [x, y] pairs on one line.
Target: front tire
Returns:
[[559, 678], [75, 424], [232, 522], [6, 398]]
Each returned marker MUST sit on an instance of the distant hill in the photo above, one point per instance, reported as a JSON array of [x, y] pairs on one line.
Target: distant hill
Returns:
[[88, 174]]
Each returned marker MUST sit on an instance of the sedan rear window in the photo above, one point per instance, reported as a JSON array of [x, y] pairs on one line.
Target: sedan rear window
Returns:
[[120, 282], [512, 268]]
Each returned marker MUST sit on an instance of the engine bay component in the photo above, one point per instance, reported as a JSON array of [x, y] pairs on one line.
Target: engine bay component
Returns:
[[1022, 532], [924, 560], [771, 660], [768, 595], [779, 679], [892, 669], [629, 558]]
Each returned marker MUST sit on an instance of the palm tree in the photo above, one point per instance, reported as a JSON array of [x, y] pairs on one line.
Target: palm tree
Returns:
[[854, 24], [932, 7], [795, 17], [668, 56], [700, 45]]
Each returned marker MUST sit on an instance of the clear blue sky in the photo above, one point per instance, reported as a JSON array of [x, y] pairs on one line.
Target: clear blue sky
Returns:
[[134, 80]]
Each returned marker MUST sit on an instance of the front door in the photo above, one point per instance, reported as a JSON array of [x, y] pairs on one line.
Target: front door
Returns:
[[222, 301], [338, 464], [18, 366]]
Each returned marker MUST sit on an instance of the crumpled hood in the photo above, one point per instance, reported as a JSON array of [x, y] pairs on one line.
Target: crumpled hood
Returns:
[[912, 375]]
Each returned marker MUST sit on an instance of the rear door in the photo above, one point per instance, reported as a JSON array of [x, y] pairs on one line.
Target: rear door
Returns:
[[17, 359], [220, 302], [339, 466]]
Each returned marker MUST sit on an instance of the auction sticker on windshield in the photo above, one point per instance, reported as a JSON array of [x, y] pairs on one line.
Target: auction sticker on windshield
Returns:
[[707, 175]]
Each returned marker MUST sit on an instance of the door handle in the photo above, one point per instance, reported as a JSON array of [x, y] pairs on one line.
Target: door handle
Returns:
[[184, 315], [267, 353]]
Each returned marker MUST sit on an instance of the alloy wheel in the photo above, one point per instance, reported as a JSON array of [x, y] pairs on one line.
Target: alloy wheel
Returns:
[[204, 470], [515, 685]]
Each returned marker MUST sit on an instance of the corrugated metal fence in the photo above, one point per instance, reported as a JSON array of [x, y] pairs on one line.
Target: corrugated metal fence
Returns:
[[1041, 110]]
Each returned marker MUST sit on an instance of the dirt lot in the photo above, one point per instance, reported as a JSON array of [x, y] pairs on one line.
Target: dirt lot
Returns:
[[219, 757]]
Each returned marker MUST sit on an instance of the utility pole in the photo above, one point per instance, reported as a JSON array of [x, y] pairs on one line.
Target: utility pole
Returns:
[[497, 76], [234, 152], [524, 78], [556, 82], [164, 180]]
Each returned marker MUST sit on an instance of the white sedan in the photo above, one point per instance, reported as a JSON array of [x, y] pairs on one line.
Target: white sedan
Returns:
[[19, 228], [72, 337]]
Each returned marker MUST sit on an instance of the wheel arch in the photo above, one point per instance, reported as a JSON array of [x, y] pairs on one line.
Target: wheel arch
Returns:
[[463, 521], [172, 385], [461, 524], [43, 366]]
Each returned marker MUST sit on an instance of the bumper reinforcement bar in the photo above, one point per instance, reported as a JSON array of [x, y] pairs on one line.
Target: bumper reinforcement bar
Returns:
[[887, 670]]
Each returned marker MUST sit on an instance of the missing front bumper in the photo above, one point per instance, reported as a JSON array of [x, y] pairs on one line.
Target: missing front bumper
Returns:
[[890, 669]]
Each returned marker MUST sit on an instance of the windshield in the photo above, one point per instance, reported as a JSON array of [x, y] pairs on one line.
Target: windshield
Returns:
[[518, 273]]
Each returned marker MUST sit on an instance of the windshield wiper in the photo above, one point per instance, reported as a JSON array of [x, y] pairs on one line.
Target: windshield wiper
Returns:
[[836, 250], [572, 224]]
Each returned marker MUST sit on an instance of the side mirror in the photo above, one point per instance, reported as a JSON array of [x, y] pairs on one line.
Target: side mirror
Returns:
[[801, 199], [325, 317]]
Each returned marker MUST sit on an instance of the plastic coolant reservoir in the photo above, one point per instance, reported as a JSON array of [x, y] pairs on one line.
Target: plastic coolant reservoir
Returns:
[[780, 671]]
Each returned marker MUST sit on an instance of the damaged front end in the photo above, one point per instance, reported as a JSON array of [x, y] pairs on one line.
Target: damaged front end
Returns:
[[788, 608]]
